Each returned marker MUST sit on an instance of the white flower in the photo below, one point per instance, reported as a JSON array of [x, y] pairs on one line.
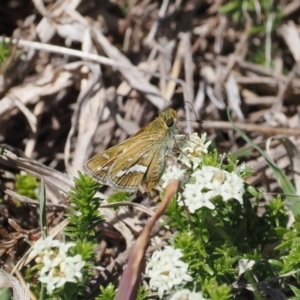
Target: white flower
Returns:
[[235, 186], [50, 261], [209, 183], [42, 244], [72, 267], [187, 295], [245, 265], [243, 167], [193, 150], [171, 173], [64, 247], [58, 268], [204, 177], [190, 161], [196, 145], [166, 270], [50, 280], [195, 199], [61, 280]]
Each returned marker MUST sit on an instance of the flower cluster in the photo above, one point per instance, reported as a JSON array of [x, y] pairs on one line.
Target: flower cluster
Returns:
[[172, 173], [209, 183], [193, 150], [205, 182], [57, 267], [191, 156], [166, 270]]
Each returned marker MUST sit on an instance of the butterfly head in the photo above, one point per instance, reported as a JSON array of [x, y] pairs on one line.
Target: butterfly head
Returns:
[[169, 118]]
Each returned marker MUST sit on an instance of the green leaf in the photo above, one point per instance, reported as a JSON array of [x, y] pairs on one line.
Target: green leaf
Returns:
[[26, 185], [296, 292], [43, 215], [107, 293], [292, 200], [118, 196]]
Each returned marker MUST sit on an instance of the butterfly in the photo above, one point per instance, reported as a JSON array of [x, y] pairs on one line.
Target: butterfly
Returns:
[[140, 159]]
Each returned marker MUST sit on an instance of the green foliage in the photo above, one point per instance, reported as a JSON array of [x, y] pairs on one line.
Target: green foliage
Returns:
[[5, 294], [30, 276], [211, 159], [26, 185], [85, 216], [296, 292], [290, 249], [292, 199], [5, 50], [107, 293], [265, 16], [118, 196], [258, 11], [143, 293], [214, 241], [257, 54], [84, 248], [69, 290], [215, 291], [82, 221], [125, 8], [233, 244]]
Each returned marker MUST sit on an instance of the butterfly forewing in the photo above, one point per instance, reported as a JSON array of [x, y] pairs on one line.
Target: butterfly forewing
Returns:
[[130, 170]]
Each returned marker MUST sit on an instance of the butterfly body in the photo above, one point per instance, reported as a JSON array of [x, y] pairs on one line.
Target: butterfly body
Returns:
[[139, 159]]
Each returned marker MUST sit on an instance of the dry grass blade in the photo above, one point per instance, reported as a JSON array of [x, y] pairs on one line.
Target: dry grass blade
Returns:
[[150, 66], [188, 73], [291, 36], [62, 181], [129, 127], [85, 118], [165, 62], [8, 281], [251, 128], [233, 95], [52, 82], [176, 68], [133, 75], [27, 200]]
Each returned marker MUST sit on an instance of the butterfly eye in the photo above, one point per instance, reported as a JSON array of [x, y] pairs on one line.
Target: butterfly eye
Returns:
[[169, 122]]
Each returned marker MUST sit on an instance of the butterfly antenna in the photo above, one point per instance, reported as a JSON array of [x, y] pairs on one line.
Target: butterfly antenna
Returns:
[[197, 120]]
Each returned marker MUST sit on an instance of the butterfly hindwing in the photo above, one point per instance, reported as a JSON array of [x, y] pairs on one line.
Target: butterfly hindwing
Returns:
[[98, 166]]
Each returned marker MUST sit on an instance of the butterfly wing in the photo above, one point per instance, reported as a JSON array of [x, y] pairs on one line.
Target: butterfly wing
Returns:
[[98, 166], [140, 159], [131, 169]]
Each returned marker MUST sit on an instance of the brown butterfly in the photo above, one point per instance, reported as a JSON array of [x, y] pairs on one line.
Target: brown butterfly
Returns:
[[140, 159]]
